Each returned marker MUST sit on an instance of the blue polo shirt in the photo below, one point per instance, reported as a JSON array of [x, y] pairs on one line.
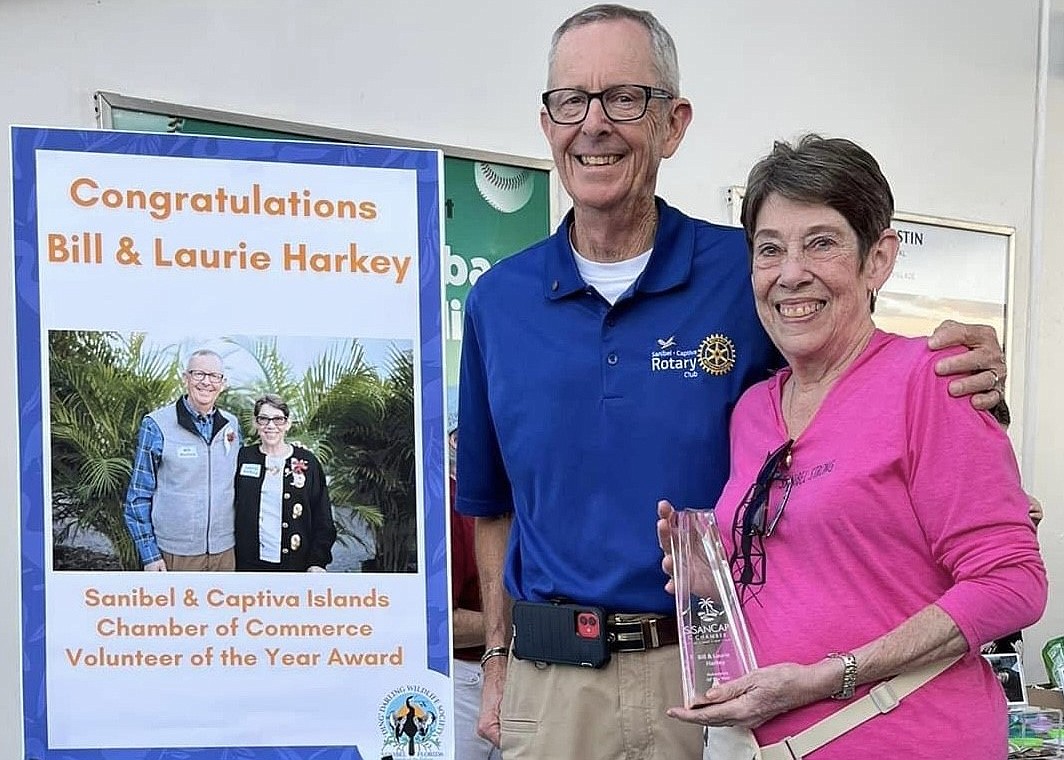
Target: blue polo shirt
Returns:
[[578, 417]]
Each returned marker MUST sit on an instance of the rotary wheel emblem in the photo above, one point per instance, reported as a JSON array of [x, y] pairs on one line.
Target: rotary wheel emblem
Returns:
[[716, 354]]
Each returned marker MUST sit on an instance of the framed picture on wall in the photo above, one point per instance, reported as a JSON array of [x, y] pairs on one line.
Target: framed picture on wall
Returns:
[[947, 269], [1009, 672]]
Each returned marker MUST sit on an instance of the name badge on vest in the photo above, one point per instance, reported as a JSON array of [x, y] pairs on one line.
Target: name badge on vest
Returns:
[[250, 469], [187, 452]]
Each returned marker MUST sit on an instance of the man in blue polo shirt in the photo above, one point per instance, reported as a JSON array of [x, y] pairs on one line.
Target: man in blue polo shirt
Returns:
[[599, 370]]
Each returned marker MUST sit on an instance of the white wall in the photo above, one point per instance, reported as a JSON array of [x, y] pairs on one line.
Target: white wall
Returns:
[[943, 93], [1043, 440]]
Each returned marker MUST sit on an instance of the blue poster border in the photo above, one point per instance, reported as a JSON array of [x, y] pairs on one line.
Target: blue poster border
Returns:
[[25, 142]]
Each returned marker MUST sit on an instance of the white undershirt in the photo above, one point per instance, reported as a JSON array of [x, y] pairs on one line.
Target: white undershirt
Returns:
[[270, 509], [613, 278]]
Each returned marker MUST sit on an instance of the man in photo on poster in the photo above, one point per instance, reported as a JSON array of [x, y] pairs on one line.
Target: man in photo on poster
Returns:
[[179, 504]]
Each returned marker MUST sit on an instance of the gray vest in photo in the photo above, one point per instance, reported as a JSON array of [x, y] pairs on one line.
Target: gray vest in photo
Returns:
[[192, 508]]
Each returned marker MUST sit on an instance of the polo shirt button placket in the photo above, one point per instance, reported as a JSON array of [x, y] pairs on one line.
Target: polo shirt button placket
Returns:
[[611, 358]]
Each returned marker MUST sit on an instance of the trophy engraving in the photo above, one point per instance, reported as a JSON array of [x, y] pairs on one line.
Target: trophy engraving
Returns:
[[714, 641]]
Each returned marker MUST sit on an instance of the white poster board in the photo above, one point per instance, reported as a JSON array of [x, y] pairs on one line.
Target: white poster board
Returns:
[[170, 242]]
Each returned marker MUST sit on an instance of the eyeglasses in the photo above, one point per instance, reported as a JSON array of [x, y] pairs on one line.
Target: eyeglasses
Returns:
[[755, 521], [623, 102], [199, 376], [264, 421]]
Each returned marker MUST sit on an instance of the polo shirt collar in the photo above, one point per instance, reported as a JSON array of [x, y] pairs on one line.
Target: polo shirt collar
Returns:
[[669, 265]]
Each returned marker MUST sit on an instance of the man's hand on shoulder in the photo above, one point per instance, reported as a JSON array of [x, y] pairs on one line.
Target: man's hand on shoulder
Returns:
[[158, 566], [1034, 510], [979, 372]]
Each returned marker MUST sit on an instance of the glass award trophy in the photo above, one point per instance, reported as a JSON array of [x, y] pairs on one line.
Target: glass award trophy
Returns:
[[714, 641]]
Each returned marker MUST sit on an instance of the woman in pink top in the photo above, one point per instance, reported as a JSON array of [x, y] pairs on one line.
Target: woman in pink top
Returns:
[[887, 528]]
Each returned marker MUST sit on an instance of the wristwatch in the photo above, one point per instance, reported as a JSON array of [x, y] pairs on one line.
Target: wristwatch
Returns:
[[849, 674]]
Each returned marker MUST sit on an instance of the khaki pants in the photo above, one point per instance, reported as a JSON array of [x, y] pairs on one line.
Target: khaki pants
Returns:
[[557, 712], [222, 562]]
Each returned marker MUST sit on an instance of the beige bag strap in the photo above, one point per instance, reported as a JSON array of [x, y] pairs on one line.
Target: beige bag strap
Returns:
[[883, 698]]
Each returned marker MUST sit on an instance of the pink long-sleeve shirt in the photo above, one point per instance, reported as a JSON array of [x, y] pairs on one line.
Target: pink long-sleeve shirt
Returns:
[[901, 497]]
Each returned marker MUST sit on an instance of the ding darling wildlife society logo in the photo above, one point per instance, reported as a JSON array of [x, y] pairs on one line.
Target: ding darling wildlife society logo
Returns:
[[411, 719]]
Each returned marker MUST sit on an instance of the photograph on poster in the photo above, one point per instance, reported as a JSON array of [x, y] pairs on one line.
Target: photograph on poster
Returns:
[[350, 480]]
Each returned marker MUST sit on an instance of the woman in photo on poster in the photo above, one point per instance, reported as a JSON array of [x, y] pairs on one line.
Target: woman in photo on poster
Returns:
[[283, 515]]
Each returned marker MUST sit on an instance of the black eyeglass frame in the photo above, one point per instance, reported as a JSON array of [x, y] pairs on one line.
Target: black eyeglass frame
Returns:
[[756, 502], [752, 523], [215, 377], [651, 93]]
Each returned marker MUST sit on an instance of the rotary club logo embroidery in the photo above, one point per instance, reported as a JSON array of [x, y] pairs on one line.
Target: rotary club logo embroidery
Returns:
[[716, 354]]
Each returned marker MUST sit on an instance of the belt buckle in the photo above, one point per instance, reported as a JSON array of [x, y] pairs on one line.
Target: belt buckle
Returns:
[[630, 635], [883, 697], [652, 629]]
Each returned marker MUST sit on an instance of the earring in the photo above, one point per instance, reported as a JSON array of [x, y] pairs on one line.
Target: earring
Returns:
[[872, 293]]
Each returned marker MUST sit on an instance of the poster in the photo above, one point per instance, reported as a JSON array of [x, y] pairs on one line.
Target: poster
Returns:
[[309, 269]]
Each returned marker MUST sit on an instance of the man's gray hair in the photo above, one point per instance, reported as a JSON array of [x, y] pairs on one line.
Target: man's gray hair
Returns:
[[204, 352], [662, 47]]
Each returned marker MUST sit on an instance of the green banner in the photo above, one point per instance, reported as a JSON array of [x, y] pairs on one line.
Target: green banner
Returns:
[[491, 211]]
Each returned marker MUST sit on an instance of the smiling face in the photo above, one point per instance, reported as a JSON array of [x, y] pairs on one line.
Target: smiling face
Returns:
[[811, 289], [603, 165], [272, 424], [204, 381]]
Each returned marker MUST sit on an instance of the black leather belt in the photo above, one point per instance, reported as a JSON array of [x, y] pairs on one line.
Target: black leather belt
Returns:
[[641, 634]]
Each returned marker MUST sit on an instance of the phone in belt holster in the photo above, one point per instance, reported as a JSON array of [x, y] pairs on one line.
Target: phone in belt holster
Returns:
[[563, 634]]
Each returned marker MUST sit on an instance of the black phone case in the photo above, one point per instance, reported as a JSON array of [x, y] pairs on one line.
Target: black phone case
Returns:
[[545, 632]]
